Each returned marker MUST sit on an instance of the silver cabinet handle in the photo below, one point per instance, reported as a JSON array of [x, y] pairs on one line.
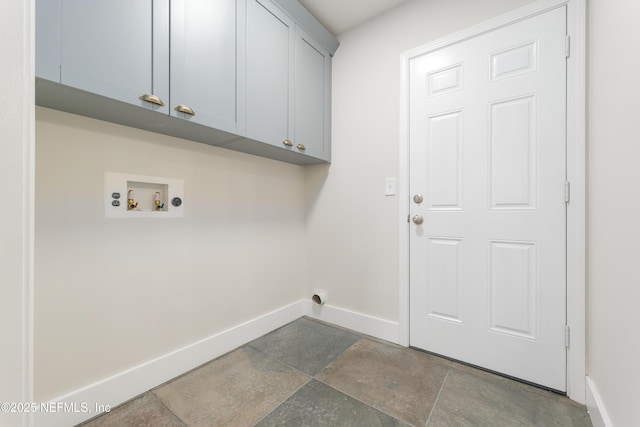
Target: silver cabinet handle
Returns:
[[287, 143], [301, 147], [152, 99], [184, 109], [418, 219]]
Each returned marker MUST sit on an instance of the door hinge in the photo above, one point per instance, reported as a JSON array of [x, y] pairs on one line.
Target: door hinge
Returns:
[[567, 336], [408, 218], [567, 46], [567, 191]]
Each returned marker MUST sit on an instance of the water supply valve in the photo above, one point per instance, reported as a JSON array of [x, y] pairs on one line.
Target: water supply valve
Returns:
[[131, 203], [157, 203]]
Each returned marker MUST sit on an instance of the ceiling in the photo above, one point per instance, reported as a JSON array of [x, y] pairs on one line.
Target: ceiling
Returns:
[[339, 16]]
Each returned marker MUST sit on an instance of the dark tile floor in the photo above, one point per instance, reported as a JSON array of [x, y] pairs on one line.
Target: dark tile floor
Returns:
[[308, 373]]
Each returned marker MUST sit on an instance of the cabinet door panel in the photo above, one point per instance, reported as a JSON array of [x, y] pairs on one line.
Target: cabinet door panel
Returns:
[[270, 38], [48, 40], [312, 93], [106, 48], [203, 61]]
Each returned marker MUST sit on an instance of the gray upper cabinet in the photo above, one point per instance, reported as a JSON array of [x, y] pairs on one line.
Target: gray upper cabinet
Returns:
[[117, 49], [48, 40], [204, 65], [270, 70], [312, 100], [288, 83], [248, 75]]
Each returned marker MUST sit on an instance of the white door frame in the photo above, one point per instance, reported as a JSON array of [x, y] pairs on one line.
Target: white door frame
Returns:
[[576, 175], [17, 151]]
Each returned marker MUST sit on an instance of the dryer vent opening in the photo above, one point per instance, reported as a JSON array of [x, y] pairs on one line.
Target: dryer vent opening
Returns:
[[319, 297]]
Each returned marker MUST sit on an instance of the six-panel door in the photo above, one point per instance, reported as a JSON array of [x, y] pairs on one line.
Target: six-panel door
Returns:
[[488, 152]]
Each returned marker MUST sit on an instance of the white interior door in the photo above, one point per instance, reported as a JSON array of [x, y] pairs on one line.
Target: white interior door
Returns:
[[488, 156]]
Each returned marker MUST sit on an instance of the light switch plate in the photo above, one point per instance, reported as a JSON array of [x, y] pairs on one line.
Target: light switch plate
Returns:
[[390, 187]]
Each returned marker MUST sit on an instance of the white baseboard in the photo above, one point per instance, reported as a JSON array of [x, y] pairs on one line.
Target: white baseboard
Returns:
[[87, 402], [595, 406], [117, 389], [363, 323]]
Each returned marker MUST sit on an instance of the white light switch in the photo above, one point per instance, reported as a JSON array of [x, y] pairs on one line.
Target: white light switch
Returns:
[[390, 186]]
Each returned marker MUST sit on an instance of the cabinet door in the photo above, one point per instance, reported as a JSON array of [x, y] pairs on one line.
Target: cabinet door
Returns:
[[312, 113], [116, 48], [270, 47], [48, 40], [203, 62]]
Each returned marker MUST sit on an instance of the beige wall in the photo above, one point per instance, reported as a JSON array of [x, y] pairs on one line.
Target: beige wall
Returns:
[[113, 293], [352, 228], [614, 207]]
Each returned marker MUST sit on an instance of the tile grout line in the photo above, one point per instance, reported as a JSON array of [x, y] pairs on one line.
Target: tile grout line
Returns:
[[344, 392], [168, 409], [267, 355], [309, 378], [313, 377], [435, 402], [284, 400], [359, 400], [369, 404], [264, 354]]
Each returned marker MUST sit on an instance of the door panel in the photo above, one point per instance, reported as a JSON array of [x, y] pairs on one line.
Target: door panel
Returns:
[[488, 152], [513, 288], [108, 48], [270, 70], [445, 274], [444, 145], [312, 96], [203, 62], [512, 150]]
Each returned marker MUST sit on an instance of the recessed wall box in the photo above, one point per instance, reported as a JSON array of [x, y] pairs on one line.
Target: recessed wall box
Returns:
[[139, 196]]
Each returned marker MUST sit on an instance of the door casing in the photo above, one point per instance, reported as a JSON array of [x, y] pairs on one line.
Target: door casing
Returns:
[[576, 175]]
